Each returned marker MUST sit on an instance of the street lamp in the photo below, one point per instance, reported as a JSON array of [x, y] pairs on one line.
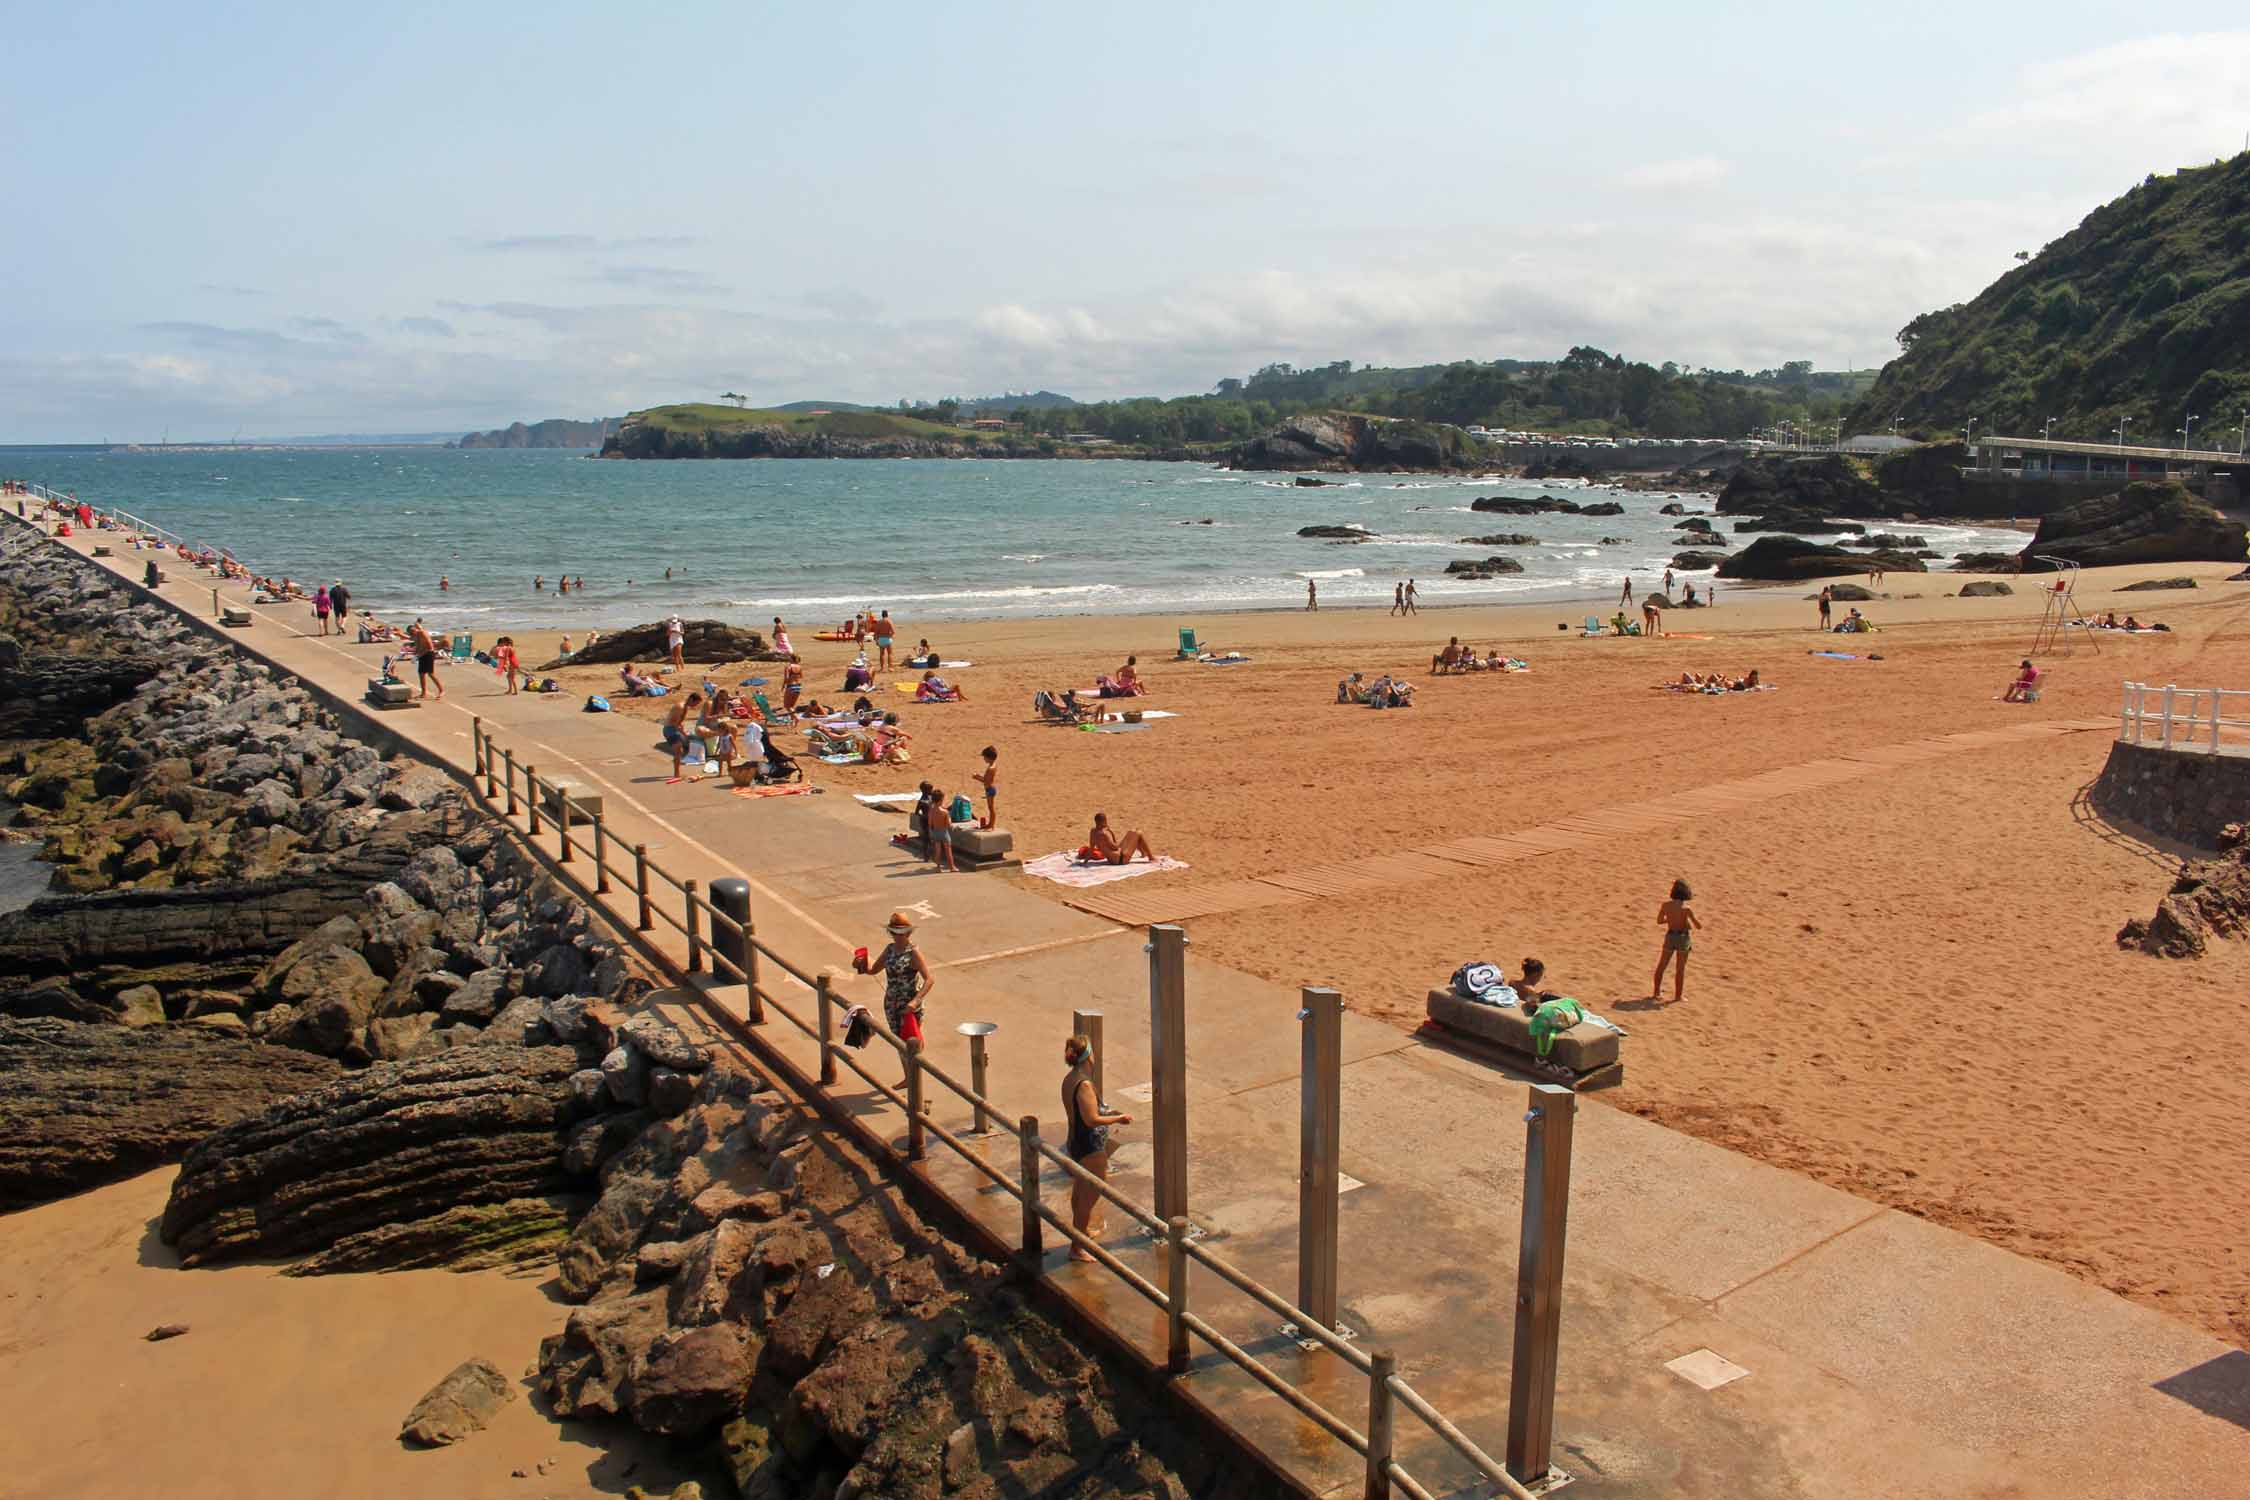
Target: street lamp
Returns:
[[2242, 438], [1970, 435], [2121, 434], [2186, 430], [2050, 433]]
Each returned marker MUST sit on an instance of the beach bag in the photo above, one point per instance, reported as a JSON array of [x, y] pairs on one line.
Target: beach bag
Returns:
[[859, 1028], [962, 810], [910, 1027], [597, 704], [1472, 980]]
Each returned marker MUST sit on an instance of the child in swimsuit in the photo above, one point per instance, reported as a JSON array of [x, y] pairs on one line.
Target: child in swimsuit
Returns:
[[1679, 924], [989, 778]]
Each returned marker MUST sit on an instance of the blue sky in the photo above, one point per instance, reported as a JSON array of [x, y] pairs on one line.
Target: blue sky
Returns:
[[306, 218]]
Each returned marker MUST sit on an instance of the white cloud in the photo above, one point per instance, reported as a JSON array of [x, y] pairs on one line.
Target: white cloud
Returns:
[[1680, 172]]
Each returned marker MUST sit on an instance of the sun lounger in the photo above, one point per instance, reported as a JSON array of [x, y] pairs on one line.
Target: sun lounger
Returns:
[[766, 714], [1594, 626], [463, 646]]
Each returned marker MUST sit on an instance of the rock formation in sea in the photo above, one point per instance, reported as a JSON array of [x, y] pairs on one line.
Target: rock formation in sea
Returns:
[[2146, 522], [707, 641], [1788, 558], [1349, 441]]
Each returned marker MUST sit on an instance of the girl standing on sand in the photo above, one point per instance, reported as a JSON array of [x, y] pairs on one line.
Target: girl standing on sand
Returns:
[[504, 657], [989, 779], [1678, 923]]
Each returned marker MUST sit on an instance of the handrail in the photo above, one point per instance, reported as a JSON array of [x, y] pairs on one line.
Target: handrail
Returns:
[[2179, 717], [695, 904]]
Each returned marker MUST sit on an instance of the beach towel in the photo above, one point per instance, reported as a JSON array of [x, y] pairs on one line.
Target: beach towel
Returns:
[[1112, 728], [885, 799], [1834, 655], [1066, 869], [956, 663], [1231, 659], [794, 789], [843, 760]]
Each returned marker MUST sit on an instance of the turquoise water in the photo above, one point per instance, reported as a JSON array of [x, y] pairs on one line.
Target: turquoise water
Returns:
[[813, 540]]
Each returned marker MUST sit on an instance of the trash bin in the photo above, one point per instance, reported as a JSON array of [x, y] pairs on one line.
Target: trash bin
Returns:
[[732, 896]]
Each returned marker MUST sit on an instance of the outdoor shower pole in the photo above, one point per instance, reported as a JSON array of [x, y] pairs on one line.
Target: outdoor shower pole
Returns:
[[1319, 1124], [1539, 1265], [1167, 1027]]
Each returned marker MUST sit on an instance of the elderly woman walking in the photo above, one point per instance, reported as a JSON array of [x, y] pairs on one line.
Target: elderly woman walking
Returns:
[[906, 981]]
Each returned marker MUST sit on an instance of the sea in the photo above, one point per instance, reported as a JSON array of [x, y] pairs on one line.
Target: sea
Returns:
[[815, 540]]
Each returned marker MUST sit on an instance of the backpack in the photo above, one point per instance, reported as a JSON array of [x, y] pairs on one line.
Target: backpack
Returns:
[[597, 704], [1472, 980]]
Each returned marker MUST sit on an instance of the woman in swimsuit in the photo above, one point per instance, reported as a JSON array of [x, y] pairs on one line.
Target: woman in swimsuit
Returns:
[[1679, 924], [1088, 1142], [906, 982]]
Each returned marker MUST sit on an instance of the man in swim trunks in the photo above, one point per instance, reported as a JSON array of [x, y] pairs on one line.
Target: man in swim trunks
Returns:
[[675, 732], [884, 631], [425, 659], [1111, 849]]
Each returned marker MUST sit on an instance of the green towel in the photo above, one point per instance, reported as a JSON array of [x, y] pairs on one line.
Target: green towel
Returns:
[[1557, 1015]]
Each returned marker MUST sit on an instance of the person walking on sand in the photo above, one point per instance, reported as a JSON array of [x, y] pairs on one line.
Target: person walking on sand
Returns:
[[425, 659], [675, 641], [339, 600], [989, 779], [1827, 602], [781, 637], [907, 981], [1679, 924], [1625, 599], [321, 607], [1413, 598], [1398, 597], [885, 633], [1312, 594], [1667, 583], [1087, 1140]]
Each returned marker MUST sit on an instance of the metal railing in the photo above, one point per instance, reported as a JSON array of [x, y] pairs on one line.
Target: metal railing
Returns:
[[2177, 718], [577, 832]]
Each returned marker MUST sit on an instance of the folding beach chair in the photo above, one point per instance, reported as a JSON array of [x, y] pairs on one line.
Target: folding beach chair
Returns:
[[463, 645], [1052, 710], [1594, 626], [766, 712], [1188, 648]]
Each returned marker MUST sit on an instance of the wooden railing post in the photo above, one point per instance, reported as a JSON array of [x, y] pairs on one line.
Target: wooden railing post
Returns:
[[562, 821], [1034, 1235], [601, 856], [491, 782], [824, 991], [1176, 1295], [1379, 1423], [916, 1146], [476, 745], [647, 917], [531, 797], [510, 755], [694, 927]]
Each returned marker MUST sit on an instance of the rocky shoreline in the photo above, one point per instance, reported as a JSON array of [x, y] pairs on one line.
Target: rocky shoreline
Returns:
[[376, 1034]]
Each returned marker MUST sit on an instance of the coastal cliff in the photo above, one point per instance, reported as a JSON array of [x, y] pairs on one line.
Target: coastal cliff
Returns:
[[697, 430], [556, 432], [1349, 441]]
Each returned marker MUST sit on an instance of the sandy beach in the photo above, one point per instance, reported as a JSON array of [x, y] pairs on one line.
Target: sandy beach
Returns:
[[1850, 932]]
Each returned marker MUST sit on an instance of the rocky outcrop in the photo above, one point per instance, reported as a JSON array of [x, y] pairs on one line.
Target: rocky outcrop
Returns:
[[393, 1143], [1472, 568], [81, 1105], [710, 641], [1501, 539], [46, 695], [476, 1237], [1509, 505], [2209, 899], [2154, 585], [1800, 523], [1985, 562], [2142, 523], [1336, 533], [1350, 441], [1990, 588], [1786, 559], [1697, 562], [1825, 486]]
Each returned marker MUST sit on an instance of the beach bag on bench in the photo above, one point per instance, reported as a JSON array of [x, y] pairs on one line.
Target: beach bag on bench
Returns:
[[962, 810], [1472, 981], [597, 704]]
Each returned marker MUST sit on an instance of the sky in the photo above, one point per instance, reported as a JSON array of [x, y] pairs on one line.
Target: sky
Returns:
[[275, 219]]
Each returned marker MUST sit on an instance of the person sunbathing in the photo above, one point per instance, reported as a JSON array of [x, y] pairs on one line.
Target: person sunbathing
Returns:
[[636, 682], [925, 655], [2133, 624], [1746, 684], [857, 677], [935, 689], [1349, 690], [1447, 660], [1128, 680], [2109, 621], [1107, 848]]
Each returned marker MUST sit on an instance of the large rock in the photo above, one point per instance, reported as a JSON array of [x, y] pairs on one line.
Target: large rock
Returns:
[[397, 1142], [1348, 440], [1825, 486], [2143, 523], [460, 1404], [84, 1104], [1336, 533], [522, 1231], [1788, 559], [706, 641], [1473, 568], [1697, 562]]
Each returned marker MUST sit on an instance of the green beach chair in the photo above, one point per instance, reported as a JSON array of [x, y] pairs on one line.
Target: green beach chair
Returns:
[[766, 711], [1188, 647], [1594, 626], [463, 645]]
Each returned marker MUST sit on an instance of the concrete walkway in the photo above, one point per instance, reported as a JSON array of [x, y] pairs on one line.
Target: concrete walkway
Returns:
[[1881, 1354]]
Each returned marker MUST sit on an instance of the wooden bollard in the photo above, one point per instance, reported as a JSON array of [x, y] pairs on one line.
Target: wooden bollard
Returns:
[[694, 928], [531, 795], [640, 888]]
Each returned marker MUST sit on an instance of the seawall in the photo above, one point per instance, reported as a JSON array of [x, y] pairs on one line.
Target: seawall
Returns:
[[2185, 795]]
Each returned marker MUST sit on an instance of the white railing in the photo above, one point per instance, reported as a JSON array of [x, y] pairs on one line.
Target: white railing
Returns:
[[2177, 718], [119, 517]]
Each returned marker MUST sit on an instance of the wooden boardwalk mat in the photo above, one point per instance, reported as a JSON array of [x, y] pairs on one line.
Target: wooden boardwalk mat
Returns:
[[1178, 903], [1327, 880]]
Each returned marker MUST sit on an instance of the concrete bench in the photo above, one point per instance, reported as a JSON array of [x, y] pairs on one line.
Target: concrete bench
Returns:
[[389, 694], [1590, 1053], [238, 618], [981, 848], [101, 551], [584, 805]]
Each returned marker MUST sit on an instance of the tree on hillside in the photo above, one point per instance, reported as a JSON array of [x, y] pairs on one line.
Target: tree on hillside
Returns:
[[736, 397]]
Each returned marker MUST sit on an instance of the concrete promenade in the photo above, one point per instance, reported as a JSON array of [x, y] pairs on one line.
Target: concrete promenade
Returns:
[[1884, 1355]]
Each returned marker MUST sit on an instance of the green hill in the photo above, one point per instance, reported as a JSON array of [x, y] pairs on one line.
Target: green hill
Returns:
[[2142, 313]]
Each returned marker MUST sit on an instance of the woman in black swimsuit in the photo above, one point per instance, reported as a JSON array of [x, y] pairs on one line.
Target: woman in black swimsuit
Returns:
[[1088, 1141]]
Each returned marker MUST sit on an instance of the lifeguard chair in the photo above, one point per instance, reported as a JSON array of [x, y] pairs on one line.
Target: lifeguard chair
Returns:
[[2060, 614]]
